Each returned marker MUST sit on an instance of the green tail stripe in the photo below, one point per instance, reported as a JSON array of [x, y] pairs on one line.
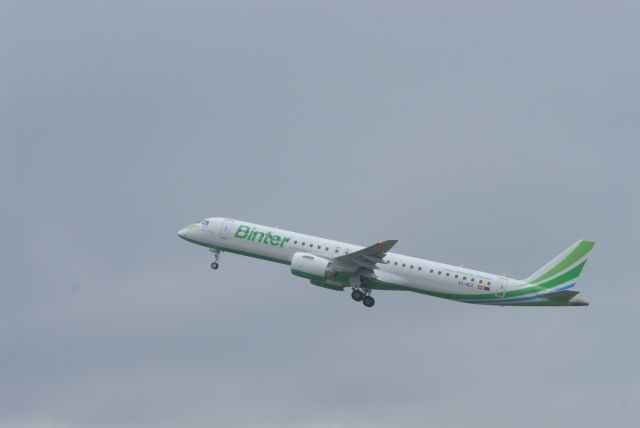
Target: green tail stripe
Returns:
[[578, 253]]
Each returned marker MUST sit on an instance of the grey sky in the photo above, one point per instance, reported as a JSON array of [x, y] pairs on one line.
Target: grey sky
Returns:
[[485, 134]]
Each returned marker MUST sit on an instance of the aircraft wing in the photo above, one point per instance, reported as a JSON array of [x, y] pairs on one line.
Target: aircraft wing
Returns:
[[366, 258]]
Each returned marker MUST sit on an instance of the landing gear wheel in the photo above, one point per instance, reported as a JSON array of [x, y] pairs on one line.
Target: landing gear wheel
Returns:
[[357, 295], [368, 301], [216, 257]]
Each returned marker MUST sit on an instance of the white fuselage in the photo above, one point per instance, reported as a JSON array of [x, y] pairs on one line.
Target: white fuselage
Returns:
[[397, 271]]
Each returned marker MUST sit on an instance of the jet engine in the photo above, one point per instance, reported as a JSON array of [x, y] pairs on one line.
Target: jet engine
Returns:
[[312, 267]]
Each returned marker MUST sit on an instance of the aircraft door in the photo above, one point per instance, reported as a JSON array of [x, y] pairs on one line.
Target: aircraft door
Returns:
[[225, 229], [502, 287]]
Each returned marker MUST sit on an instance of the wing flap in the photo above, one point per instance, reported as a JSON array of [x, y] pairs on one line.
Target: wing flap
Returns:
[[363, 263]]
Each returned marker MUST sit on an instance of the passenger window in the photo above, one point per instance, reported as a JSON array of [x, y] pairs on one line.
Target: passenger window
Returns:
[[295, 242], [326, 248], [419, 267], [430, 270], [439, 272], [480, 281], [456, 277], [395, 263], [303, 244], [411, 266], [447, 273], [404, 265]]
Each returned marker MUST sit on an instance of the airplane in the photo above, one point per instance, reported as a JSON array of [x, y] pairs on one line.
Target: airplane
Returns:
[[338, 265]]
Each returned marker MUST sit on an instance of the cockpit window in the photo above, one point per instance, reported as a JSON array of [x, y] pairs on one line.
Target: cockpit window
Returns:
[[205, 222]]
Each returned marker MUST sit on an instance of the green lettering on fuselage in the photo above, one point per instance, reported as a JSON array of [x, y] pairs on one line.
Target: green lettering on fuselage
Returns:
[[242, 232], [251, 234]]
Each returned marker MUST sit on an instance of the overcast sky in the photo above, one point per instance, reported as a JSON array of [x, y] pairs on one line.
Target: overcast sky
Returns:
[[486, 134]]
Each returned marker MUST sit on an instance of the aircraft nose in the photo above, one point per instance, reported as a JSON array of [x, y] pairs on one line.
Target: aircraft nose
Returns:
[[182, 233]]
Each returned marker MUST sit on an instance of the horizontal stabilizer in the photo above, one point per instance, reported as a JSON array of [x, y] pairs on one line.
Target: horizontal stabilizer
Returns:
[[564, 295]]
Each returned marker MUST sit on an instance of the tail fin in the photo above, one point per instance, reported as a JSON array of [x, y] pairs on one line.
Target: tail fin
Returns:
[[573, 257]]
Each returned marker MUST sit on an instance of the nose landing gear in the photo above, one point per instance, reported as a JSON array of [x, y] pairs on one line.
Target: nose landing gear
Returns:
[[216, 256]]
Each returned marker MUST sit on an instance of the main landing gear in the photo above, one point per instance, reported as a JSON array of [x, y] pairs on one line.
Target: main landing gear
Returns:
[[368, 301], [363, 296], [216, 256]]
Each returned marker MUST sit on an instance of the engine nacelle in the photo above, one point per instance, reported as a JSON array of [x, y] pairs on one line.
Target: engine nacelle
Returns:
[[311, 267]]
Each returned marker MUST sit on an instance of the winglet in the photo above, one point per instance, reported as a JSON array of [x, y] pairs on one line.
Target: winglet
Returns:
[[385, 246]]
